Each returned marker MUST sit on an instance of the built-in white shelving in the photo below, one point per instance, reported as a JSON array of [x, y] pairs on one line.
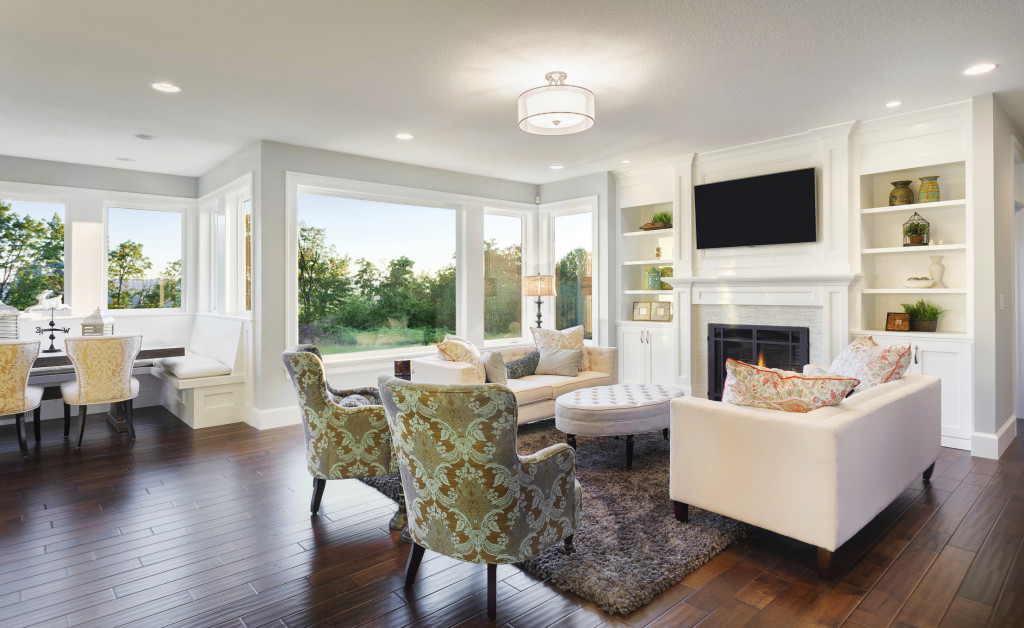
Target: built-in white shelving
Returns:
[[912, 335], [915, 249], [662, 232], [914, 291], [914, 207], [647, 262], [649, 292]]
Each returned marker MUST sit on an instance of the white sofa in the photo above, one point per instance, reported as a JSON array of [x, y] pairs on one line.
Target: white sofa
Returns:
[[818, 477], [535, 394]]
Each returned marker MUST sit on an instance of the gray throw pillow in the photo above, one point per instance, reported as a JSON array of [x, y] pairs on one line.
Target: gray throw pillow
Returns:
[[526, 365], [565, 362], [353, 401], [494, 366]]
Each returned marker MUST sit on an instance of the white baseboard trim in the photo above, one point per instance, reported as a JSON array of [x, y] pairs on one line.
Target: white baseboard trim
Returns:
[[985, 445], [956, 443], [276, 417]]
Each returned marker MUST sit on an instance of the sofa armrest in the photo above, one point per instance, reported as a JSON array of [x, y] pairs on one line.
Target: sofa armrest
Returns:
[[604, 360], [434, 370]]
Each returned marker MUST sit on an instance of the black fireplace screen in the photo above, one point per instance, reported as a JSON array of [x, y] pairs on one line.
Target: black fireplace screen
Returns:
[[775, 347]]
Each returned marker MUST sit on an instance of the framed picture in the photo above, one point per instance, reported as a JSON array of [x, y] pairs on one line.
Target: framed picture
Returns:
[[641, 311], [897, 321], [661, 311]]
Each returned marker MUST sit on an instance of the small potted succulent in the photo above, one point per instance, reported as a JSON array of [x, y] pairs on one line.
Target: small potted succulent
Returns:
[[923, 315], [659, 220]]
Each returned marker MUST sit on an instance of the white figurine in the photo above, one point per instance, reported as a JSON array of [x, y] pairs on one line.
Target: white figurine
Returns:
[[45, 301]]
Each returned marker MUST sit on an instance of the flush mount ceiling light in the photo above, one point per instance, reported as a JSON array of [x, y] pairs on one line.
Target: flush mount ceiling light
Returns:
[[403, 136], [981, 68], [556, 166], [556, 108], [626, 161], [167, 88], [145, 136], [892, 104]]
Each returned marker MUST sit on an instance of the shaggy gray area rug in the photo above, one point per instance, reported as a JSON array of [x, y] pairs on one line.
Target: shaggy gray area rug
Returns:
[[629, 546]]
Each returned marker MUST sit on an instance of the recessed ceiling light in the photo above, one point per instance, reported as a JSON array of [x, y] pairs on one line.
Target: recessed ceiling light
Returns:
[[403, 136], [892, 104], [145, 136], [556, 166], [981, 68], [167, 88], [626, 161], [124, 158]]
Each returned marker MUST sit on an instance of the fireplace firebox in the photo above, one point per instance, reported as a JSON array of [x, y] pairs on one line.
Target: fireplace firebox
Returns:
[[771, 346]]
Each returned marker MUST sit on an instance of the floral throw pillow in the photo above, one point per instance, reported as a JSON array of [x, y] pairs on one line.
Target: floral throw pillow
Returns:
[[571, 338], [455, 349], [775, 389], [847, 358], [874, 365]]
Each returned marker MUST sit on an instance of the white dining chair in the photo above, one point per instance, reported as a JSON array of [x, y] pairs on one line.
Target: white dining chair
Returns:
[[17, 398], [103, 375]]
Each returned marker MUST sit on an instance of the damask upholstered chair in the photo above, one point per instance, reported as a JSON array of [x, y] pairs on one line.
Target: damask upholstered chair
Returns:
[[103, 374], [346, 431], [16, 396], [470, 495]]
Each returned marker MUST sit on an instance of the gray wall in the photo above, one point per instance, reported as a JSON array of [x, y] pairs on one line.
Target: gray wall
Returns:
[[41, 172]]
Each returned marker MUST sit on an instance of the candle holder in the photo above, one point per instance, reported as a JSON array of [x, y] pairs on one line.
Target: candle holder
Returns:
[[53, 330]]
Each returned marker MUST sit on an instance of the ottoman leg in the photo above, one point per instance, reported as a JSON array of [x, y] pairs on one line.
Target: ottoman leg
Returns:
[[664, 433], [629, 451], [571, 439]]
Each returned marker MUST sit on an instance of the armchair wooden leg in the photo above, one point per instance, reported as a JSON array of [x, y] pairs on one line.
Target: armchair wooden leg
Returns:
[[81, 425], [569, 549], [492, 592], [415, 557], [682, 511], [664, 433], [401, 518], [319, 484], [571, 440], [824, 563], [927, 475], [19, 421], [36, 419], [67, 420], [129, 417]]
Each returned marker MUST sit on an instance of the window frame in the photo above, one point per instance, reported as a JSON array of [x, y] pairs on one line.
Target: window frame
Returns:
[[525, 219], [30, 192], [187, 287], [549, 212]]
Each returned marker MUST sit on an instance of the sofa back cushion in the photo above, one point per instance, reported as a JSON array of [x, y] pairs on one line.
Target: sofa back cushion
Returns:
[[494, 367], [775, 389]]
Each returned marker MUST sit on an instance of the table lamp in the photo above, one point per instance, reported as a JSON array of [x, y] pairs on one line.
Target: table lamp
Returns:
[[539, 286]]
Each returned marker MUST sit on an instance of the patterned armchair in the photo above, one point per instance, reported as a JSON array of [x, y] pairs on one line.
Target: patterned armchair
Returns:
[[103, 374], [16, 396], [341, 442], [470, 495]]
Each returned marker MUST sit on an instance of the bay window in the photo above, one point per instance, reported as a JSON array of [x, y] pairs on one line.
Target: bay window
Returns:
[[31, 251], [503, 276]]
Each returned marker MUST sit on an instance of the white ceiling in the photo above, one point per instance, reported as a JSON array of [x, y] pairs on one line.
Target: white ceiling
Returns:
[[670, 77]]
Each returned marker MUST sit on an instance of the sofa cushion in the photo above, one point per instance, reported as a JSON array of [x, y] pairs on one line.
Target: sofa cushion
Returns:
[[456, 349], [775, 389], [494, 367], [586, 379], [571, 338], [527, 391], [192, 366], [526, 365], [565, 362]]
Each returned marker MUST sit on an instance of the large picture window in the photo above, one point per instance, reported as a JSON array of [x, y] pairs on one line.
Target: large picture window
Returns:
[[503, 276], [31, 251], [574, 255], [374, 275], [143, 258]]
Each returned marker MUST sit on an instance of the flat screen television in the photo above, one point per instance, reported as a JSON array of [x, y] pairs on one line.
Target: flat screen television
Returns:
[[769, 209]]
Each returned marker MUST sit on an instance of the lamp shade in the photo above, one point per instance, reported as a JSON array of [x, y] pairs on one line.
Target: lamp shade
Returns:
[[539, 286], [556, 108]]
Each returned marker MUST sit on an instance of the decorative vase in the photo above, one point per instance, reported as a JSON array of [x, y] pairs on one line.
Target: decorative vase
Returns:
[[923, 325], [929, 190], [935, 270], [901, 193], [666, 271], [652, 279]]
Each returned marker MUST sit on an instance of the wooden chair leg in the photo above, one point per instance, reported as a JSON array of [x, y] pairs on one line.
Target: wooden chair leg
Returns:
[[492, 592], [664, 433], [81, 425], [571, 440], [825, 563], [319, 484], [415, 557], [19, 421], [36, 420], [927, 475], [129, 418], [569, 549], [67, 420], [682, 511]]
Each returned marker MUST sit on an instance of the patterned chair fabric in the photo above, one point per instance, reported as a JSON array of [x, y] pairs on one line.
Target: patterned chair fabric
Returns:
[[103, 369], [340, 442], [16, 358], [470, 495]]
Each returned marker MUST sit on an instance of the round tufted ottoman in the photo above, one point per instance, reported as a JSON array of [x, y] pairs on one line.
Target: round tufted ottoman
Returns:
[[619, 410]]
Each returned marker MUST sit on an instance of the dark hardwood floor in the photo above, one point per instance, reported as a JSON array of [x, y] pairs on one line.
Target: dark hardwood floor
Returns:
[[212, 528]]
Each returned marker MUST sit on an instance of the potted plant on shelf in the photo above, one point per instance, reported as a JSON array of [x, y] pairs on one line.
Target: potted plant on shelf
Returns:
[[915, 233], [923, 316], [660, 220]]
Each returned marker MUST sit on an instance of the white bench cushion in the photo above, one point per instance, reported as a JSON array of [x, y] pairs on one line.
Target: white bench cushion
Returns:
[[192, 366]]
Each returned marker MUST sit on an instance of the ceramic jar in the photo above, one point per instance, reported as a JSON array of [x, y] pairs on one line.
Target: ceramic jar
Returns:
[[929, 190], [936, 270], [666, 271], [652, 278], [901, 193]]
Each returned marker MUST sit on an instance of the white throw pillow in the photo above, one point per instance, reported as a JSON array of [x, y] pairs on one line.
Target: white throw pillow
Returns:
[[564, 362], [571, 338]]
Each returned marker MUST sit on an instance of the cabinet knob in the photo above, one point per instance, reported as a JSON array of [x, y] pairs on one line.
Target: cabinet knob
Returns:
[[915, 354]]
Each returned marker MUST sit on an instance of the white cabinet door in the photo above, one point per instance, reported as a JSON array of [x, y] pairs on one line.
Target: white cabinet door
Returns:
[[659, 345], [950, 361], [633, 356]]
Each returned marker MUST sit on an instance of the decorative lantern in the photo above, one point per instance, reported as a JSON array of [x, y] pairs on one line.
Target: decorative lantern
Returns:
[[916, 231], [97, 324], [8, 322]]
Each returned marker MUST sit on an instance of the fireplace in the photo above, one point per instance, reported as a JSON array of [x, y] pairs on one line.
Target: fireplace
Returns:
[[775, 347]]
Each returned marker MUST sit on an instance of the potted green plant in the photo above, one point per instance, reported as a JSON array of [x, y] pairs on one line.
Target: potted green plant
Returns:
[[659, 220], [915, 233], [923, 315]]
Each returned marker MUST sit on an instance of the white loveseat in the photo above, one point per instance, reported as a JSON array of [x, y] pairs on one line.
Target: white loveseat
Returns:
[[535, 394], [818, 477]]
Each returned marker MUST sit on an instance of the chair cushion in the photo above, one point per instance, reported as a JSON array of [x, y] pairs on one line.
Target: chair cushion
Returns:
[[494, 367], [528, 391], [69, 391], [33, 396], [524, 366], [775, 389], [192, 366], [565, 362], [571, 338]]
